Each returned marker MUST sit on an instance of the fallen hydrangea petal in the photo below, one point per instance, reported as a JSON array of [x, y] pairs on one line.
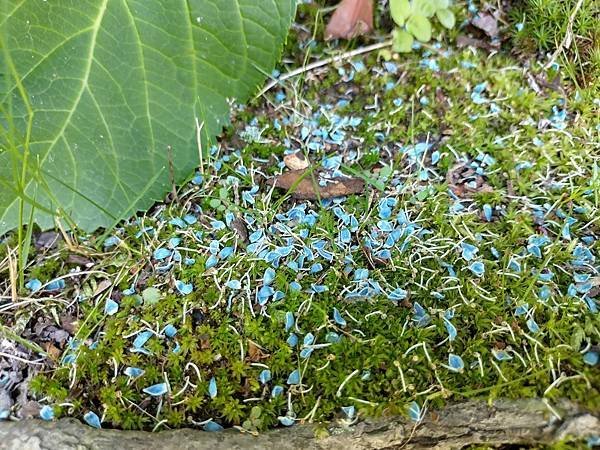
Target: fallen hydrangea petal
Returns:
[[286, 421], [133, 372], [92, 419], [156, 390], [277, 391], [34, 285], [478, 268], [111, 307], [289, 320], [455, 362], [414, 412], [397, 295], [292, 340], [170, 331], [142, 338], [451, 329], [501, 355], [468, 251], [212, 426], [184, 288], [212, 387], [533, 326], [234, 284], [161, 253], [349, 411], [265, 376], [337, 317], [56, 285], [294, 377], [47, 413], [591, 358]]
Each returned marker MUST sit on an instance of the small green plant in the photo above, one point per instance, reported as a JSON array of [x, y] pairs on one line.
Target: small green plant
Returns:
[[413, 20]]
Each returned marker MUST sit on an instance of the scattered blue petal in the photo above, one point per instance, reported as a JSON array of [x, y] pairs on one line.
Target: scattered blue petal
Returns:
[[92, 419], [212, 387], [156, 390]]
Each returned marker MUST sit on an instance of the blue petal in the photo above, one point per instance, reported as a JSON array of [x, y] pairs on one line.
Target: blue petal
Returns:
[[455, 362], [414, 412], [286, 421], [289, 320], [468, 251], [212, 426], [156, 390], [34, 285], [501, 355], [133, 372], [142, 338], [477, 268], [451, 329], [292, 340], [92, 419], [533, 326], [234, 284], [56, 285], [184, 288], [111, 307], [212, 387], [170, 331], [397, 295], [294, 377], [337, 317], [349, 411], [47, 412], [487, 212], [591, 358], [269, 276], [309, 339], [211, 261], [265, 376], [277, 391]]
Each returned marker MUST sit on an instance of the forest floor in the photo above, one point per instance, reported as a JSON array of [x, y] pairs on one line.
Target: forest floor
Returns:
[[458, 257]]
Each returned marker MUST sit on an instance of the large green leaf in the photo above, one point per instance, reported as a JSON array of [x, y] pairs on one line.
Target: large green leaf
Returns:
[[113, 83]]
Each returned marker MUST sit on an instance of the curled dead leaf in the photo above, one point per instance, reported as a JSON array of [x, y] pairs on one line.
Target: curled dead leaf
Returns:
[[487, 22], [460, 180], [305, 187], [295, 161], [351, 18]]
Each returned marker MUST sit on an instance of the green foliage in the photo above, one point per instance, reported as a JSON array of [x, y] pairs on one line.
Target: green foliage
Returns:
[[413, 20], [94, 92], [541, 25]]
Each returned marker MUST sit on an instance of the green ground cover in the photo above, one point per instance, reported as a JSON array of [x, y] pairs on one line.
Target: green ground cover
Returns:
[[467, 268]]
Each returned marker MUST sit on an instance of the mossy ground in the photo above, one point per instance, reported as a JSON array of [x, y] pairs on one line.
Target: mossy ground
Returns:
[[498, 268]]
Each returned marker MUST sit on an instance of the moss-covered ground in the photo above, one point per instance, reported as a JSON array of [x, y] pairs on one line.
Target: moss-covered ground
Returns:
[[468, 267]]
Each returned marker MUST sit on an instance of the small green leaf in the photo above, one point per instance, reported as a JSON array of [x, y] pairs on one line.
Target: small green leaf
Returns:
[[419, 27], [442, 4], [402, 41], [400, 10], [446, 18], [423, 8]]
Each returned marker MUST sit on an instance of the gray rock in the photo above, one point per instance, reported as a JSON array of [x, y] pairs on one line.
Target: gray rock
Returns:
[[522, 422]]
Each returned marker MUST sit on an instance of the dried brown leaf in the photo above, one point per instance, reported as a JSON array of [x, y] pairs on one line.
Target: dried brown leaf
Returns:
[[351, 18], [303, 186], [458, 178], [486, 22]]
